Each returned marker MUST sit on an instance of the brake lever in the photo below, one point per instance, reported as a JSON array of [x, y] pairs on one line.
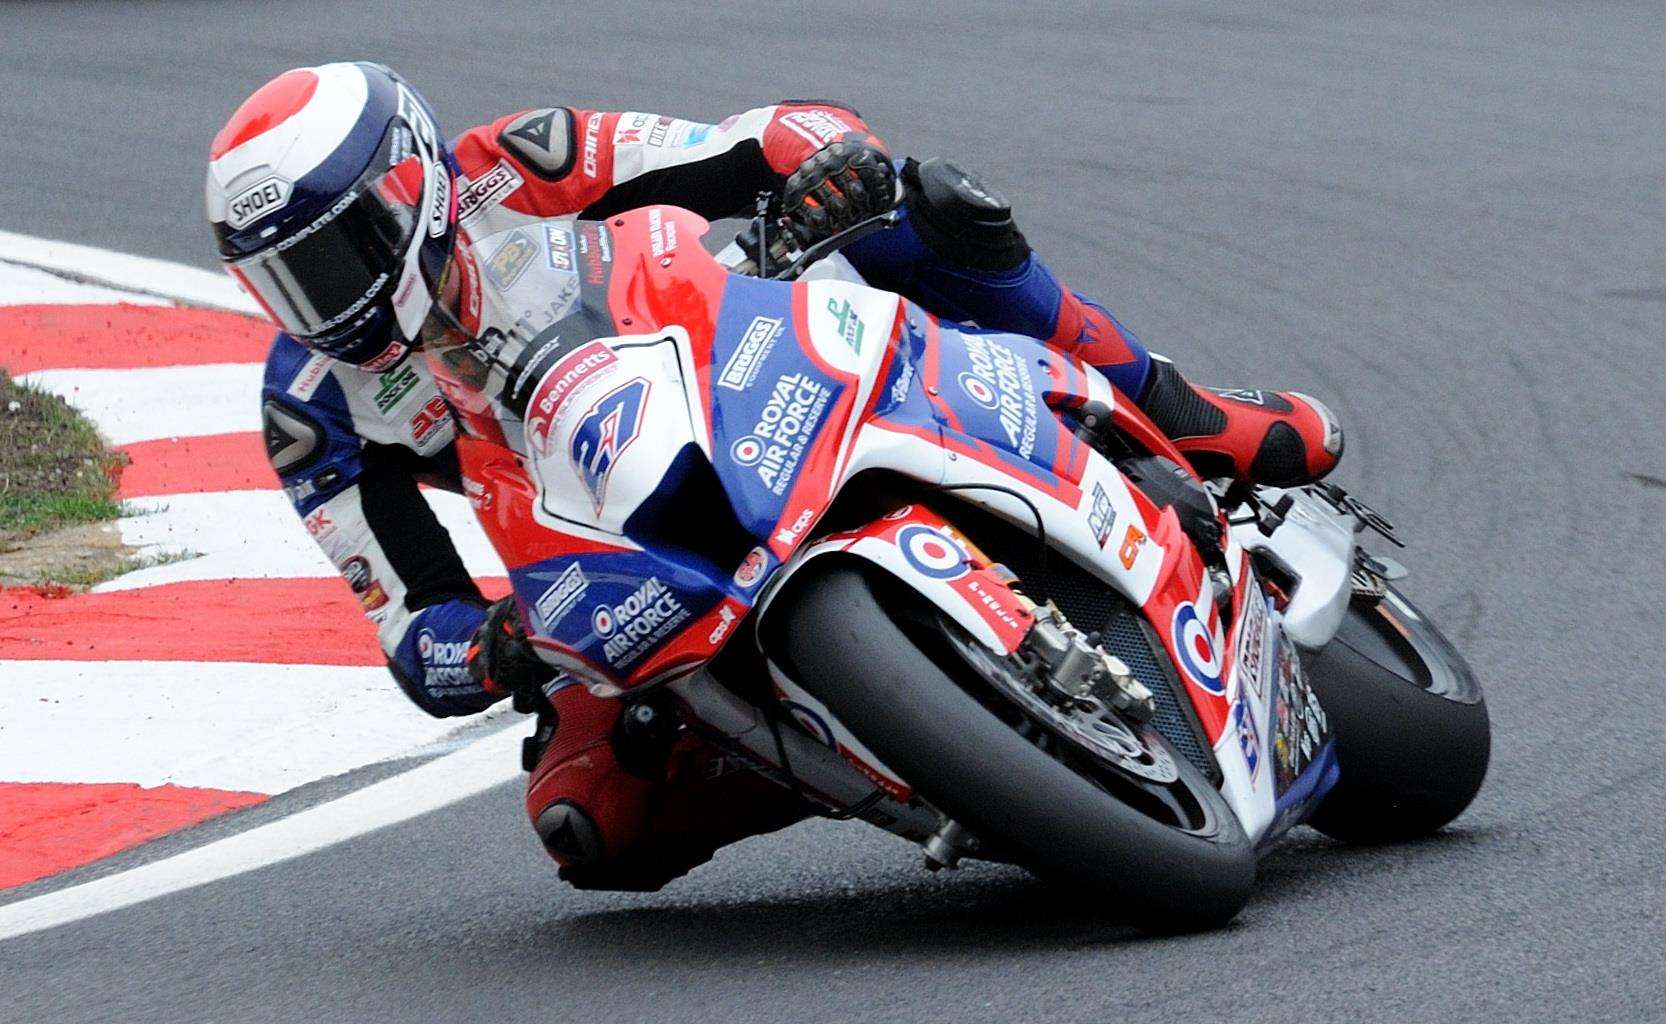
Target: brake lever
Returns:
[[833, 243], [1362, 513]]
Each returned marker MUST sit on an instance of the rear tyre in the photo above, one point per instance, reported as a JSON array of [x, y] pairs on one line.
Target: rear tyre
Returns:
[[1412, 735], [851, 654]]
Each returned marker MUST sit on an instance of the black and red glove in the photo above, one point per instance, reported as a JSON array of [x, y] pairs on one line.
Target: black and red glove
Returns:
[[501, 658], [840, 185]]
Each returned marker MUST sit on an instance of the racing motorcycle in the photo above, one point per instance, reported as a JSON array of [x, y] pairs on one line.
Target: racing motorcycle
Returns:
[[950, 582]]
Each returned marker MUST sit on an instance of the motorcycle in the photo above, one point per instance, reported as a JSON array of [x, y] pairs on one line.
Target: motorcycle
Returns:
[[948, 581]]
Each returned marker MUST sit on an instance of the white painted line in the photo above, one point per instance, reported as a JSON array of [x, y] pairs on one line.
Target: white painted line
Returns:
[[256, 534], [165, 401], [187, 284], [483, 764], [26, 286], [253, 728]]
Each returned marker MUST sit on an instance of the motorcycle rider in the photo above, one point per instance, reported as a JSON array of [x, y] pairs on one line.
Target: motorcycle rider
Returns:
[[338, 207]]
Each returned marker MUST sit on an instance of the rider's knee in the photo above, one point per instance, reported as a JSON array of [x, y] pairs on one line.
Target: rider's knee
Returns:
[[962, 219]]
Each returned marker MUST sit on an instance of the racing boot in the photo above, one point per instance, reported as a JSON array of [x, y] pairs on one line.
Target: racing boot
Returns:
[[624, 799], [1278, 438]]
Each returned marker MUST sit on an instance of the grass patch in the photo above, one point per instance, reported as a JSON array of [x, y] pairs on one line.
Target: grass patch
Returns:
[[83, 577], [54, 469]]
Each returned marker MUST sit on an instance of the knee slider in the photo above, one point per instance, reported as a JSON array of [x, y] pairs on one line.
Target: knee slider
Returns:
[[960, 218], [569, 834]]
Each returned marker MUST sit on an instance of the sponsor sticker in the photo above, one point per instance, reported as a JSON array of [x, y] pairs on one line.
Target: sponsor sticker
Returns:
[[725, 618], [311, 374], [629, 628], [567, 591], [427, 423], [1252, 641], [789, 535], [592, 143], [602, 436], [904, 381], [445, 662], [819, 127], [565, 379], [1132, 542], [1301, 726], [630, 128], [439, 214], [1199, 661], [319, 524], [560, 247], [1101, 514], [391, 357], [374, 598], [390, 388], [785, 427], [850, 324], [932, 552], [999, 380], [596, 249], [662, 233], [356, 571], [506, 265], [755, 345], [264, 197], [1249, 738], [487, 191], [752, 568]]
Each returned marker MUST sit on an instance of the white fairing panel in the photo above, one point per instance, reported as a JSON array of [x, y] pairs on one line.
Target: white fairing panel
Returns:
[[603, 426], [1316, 543]]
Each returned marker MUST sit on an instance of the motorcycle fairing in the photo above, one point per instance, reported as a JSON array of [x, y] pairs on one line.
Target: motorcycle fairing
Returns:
[[898, 390], [938, 562]]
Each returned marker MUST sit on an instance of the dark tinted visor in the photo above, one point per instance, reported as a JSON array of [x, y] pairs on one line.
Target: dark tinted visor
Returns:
[[329, 272]]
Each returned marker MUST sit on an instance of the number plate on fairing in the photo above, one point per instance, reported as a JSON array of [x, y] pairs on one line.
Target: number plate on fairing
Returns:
[[603, 426]]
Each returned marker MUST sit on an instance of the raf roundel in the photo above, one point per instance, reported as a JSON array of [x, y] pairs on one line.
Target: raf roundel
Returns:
[[1197, 656], [932, 553], [601, 620], [747, 451], [978, 390]]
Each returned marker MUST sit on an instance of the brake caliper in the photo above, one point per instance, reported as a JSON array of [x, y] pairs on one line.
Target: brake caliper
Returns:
[[1081, 673]]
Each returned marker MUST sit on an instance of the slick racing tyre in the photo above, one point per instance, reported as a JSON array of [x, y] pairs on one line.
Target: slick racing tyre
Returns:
[[1412, 735], [1170, 862]]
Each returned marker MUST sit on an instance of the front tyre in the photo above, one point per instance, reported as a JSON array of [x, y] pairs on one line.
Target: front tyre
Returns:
[[1412, 735], [851, 654]]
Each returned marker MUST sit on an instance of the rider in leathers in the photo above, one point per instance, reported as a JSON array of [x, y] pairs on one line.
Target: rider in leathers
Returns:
[[353, 424]]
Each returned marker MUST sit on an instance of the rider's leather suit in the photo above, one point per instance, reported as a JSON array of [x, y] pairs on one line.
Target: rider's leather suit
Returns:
[[351, 445]]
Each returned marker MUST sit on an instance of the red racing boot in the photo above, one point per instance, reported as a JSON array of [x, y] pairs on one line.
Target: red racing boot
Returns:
[[1278, 438], [625, 807]]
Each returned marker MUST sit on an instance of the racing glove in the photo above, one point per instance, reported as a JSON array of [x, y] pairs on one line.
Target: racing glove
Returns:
[[501, 658], [842, 184]]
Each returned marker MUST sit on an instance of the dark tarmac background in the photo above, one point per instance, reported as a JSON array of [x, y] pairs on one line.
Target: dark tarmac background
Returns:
[[1448, 221]]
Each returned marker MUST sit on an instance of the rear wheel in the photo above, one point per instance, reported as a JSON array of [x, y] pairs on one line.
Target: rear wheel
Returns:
[[1146, 835], [1412, 735]]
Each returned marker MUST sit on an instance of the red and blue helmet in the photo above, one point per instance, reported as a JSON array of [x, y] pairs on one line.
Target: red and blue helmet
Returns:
[[334, 202]]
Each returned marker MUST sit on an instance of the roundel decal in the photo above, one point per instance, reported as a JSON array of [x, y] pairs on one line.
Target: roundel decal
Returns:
[[813, 723], [1198, 657], [978, 389], [601, 620], [747, 450], [931, 552]]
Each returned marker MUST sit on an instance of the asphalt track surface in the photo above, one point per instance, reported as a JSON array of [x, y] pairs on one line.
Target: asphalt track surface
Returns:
[[1447, 221]]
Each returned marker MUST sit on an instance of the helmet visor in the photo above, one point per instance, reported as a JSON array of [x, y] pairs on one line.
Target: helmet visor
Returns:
[[330, 272]]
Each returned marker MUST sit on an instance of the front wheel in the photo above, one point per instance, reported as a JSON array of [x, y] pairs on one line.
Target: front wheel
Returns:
[[1176, 862], [1412, 735]]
